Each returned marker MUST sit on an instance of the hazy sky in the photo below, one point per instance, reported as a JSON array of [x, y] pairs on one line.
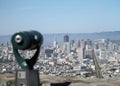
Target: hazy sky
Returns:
[[59, 16]]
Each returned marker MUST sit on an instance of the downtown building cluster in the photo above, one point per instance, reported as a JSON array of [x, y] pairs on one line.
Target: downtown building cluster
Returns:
[[80, 58]]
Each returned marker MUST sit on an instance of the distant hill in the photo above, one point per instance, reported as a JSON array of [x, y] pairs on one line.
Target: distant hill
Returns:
[[48, 38], [115, 35]]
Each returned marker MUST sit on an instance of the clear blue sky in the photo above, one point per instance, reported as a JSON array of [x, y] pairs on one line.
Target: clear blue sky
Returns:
[[59, 16]]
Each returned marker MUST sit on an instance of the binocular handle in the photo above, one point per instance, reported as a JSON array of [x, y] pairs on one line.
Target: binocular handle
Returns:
[[26, 63]]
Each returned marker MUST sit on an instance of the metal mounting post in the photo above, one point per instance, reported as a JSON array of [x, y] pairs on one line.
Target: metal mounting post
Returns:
[[27, 41]]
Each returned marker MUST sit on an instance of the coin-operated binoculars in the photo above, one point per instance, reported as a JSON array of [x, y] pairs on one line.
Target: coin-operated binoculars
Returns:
[[27, 41]]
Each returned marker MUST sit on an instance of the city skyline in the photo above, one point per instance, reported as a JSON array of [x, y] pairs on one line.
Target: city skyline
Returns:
[[63, 16]]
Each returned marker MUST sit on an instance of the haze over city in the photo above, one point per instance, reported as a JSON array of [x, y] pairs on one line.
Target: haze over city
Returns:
[[59, 16], [78, 43]]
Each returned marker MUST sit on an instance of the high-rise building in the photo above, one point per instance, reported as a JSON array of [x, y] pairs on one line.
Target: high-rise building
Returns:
[[83, 44], [88, 49], [66, 45], [55, 45], [88, 53], [80, 54], [78, 44], [66, 38], [72, 43], [88, 44], [48, 52]]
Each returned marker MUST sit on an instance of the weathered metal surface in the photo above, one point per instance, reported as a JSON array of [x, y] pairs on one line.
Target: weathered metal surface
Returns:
[[26, 41]]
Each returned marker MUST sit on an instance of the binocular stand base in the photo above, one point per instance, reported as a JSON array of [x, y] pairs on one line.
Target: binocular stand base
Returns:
[[27, 78]]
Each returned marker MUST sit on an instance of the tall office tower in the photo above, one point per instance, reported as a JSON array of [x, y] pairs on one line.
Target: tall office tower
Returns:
[[55, 45], [80, 54], [96, 45], [81, 50], [66, 38], [88, 53], [72, 42], [83, 44], [88, 44], [66, 45], [87, 48], [78, 44]]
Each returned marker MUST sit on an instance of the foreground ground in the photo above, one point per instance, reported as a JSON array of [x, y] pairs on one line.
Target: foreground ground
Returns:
[[75, 81]]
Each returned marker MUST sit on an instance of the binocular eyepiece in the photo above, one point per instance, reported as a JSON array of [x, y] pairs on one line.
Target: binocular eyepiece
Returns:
[[27, 40]]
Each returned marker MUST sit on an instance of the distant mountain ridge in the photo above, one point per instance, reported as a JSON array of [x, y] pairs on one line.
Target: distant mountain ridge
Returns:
[[110, 32], [48, 38], [107, 32], [114, 35]]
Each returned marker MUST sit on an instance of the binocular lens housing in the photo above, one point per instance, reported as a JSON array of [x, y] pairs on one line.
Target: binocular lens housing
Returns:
[[27, 40]]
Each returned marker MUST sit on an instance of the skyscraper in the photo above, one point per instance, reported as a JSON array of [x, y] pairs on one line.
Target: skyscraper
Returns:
[[80, 53], [66, 38], [66, 45], [55, 43]]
